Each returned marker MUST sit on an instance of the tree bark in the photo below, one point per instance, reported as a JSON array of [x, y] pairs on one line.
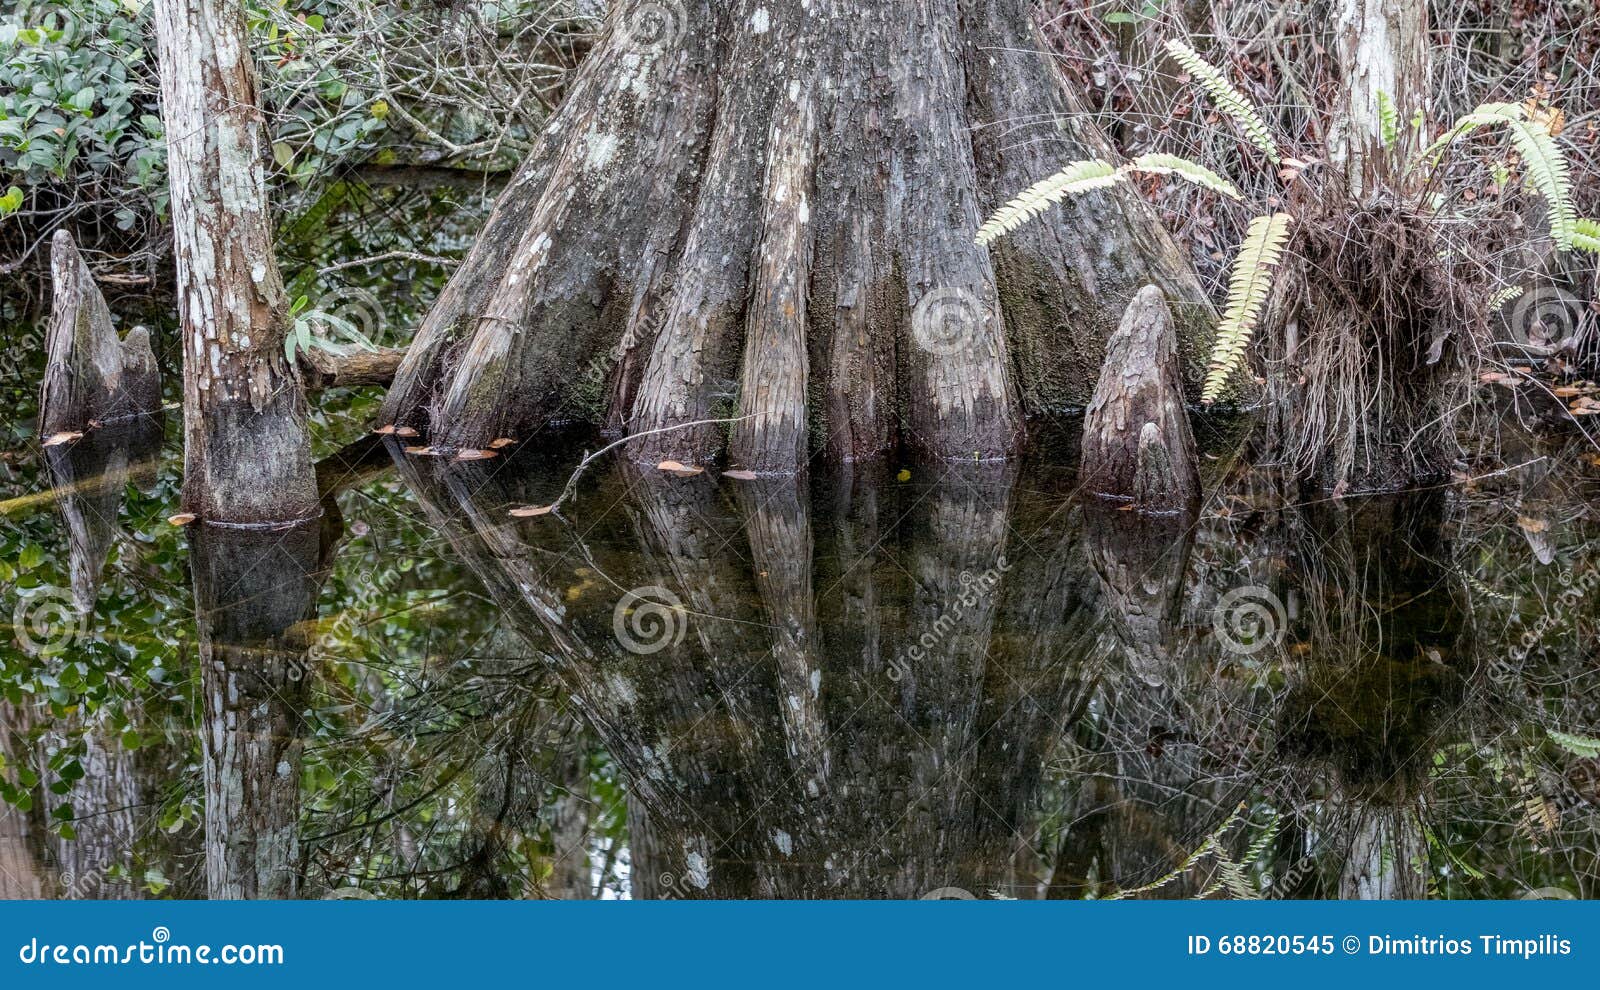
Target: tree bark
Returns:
[[90, 377], [1136, 439], [1382, 47], [246, 450], [799, 183]]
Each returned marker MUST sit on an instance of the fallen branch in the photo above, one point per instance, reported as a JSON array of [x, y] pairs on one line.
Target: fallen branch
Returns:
[[321, 368]]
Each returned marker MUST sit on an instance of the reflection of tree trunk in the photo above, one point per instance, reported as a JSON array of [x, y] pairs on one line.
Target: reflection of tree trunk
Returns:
[[254, 590], [725, 772], [88, 479]]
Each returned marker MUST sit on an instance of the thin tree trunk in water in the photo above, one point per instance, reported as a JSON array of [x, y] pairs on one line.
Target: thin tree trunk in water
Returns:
[[246, 451], [800, 183]]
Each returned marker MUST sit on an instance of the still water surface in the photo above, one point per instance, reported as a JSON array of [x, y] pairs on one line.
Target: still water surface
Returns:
[[950, 680]]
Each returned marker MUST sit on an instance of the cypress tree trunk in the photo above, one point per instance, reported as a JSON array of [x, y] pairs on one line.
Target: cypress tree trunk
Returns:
[[247, 456], [769, 208]]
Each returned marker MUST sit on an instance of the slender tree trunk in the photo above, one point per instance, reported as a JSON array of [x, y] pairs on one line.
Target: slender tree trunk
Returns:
[[1382, 47], [799, 184], [246, 452]]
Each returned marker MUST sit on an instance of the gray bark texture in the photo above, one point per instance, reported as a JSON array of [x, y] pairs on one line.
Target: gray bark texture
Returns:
[[767, 211], [247, 456], [1137, 443], [90, 376]]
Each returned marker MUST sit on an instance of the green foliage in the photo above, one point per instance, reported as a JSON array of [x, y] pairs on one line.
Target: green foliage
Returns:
[[1547, 170], [1248, 288], [77, 99], [1388, 119], [1076, 178]]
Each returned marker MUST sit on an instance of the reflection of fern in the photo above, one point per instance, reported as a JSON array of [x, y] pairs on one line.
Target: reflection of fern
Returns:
[[1227, 98], [1094, 173], [1546, 164], [1248, 289], [1232, 875]]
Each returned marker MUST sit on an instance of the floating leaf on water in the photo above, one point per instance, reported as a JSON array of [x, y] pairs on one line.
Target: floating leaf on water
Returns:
[[475, 455], [501, 443], [422, 451], [532, 511], [384, 431], [405, 431], [681, 470], [56, 439], [904, 475], [740, 475], [182, 519]]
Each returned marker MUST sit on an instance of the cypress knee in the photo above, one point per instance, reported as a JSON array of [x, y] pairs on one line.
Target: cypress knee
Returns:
[[1136, 439], [91, 377]]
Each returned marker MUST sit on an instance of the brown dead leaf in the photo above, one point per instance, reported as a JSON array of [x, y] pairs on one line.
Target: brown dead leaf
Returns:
[[532, 511], [501, 444], [57, 439], [405, 431], [476, 455], [385, 431], [1532, 525], [681, 470], [740, 475], [182, 519], [422, 451]]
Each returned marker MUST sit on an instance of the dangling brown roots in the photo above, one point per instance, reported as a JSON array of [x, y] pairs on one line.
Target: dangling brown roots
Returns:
[[1370, 354], [764, 209]]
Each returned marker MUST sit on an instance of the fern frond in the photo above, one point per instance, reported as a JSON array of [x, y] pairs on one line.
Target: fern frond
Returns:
[[1586, 235], [1504, 296], [1079, 177], [1226, 96], [1543, 159], [1248, 288], [1184, 169], [1587, 747], [1388, 119]]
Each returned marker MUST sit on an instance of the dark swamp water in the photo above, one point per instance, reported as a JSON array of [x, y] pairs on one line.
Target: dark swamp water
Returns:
[[892, 683], [904, 681]]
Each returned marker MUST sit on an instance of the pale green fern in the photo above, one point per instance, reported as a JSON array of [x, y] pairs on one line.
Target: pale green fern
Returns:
[[1504, 296], [1388, 119], [1085, 176], [1226, 96], [1184, 169], [1248, 288], [1586, 235], [1543, 159], [1079, 177]]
